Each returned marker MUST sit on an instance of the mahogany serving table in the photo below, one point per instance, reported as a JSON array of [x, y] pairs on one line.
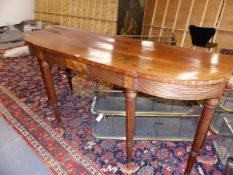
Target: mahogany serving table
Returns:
[[138, 66]]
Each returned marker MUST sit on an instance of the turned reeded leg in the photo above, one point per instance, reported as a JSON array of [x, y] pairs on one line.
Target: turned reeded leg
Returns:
[[49, 85], [130, 119], [202, 129], [69, 77]]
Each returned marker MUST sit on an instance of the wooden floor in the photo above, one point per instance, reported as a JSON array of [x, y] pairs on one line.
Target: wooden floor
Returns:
[[16, 157]]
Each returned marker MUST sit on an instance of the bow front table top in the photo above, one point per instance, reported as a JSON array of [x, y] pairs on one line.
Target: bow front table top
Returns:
[[138, 66]]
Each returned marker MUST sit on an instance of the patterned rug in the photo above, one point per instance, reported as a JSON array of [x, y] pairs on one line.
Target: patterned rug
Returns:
[[25, 106], [60, 157]]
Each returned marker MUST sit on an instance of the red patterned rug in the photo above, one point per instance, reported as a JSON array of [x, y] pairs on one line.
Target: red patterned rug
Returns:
[[50, 145], [24, 104]]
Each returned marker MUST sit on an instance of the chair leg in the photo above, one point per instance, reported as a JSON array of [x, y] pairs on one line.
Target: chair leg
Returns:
[[69, 77], [193, 47]]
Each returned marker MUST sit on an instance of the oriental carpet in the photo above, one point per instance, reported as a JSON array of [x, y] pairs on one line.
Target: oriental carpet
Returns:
[[24, 104]]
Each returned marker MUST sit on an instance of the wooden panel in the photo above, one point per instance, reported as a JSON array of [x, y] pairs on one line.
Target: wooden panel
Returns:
[[105, 75], [89, 15], [149, 9], [103, 27], [78, 13], [51, 6], [44, 6], [96, 26], [105, 9], [51, 11], [79, 7], [58, 10], [179, 35], [78, 23], [91, 8], [37, 16], [113, 8], [171, 13], [104, 16], [63, 62], [227, 22], [159, 12], [93, 15], [73, 7], [99, 7], [187, 40], [37, 9], [114, 32], [57, 19], [110, 29], [66, 7], [167, 32], [37, 5], [85, 9], [155, 31], [211, 13], [43, 17], [73, 21], [224, 40], [146, 30], [197, 12], [176, 91], [58, 6], [183, 16], [66, 12], [65, 21], [49, 18]]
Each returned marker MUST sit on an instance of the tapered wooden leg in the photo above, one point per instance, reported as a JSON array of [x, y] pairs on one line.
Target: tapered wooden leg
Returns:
[[202, 129], [43, 78], [49, 86], [130, 119], [69, 77]]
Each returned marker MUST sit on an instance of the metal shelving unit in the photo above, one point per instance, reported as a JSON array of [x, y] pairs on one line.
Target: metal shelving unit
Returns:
[[156, 118], [224, 141]]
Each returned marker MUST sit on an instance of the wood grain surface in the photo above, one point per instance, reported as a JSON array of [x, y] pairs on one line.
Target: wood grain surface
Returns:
[[134, 57]]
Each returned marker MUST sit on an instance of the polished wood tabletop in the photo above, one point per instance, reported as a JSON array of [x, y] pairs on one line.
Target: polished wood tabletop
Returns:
[[138, 66], [134, 57]]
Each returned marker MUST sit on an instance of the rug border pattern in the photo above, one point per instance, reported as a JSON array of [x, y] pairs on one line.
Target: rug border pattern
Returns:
[[48, 158], [90, 167]]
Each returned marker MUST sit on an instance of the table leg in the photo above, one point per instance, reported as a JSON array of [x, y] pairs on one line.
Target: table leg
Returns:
[[43, 78], [130, 119], [50, 88], [202, 129], [69, 77]]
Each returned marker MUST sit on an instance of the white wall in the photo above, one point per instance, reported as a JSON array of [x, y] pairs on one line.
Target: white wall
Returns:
[[15, 11]]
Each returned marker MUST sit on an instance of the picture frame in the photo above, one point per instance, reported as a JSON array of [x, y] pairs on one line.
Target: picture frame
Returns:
[[130, 17]]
